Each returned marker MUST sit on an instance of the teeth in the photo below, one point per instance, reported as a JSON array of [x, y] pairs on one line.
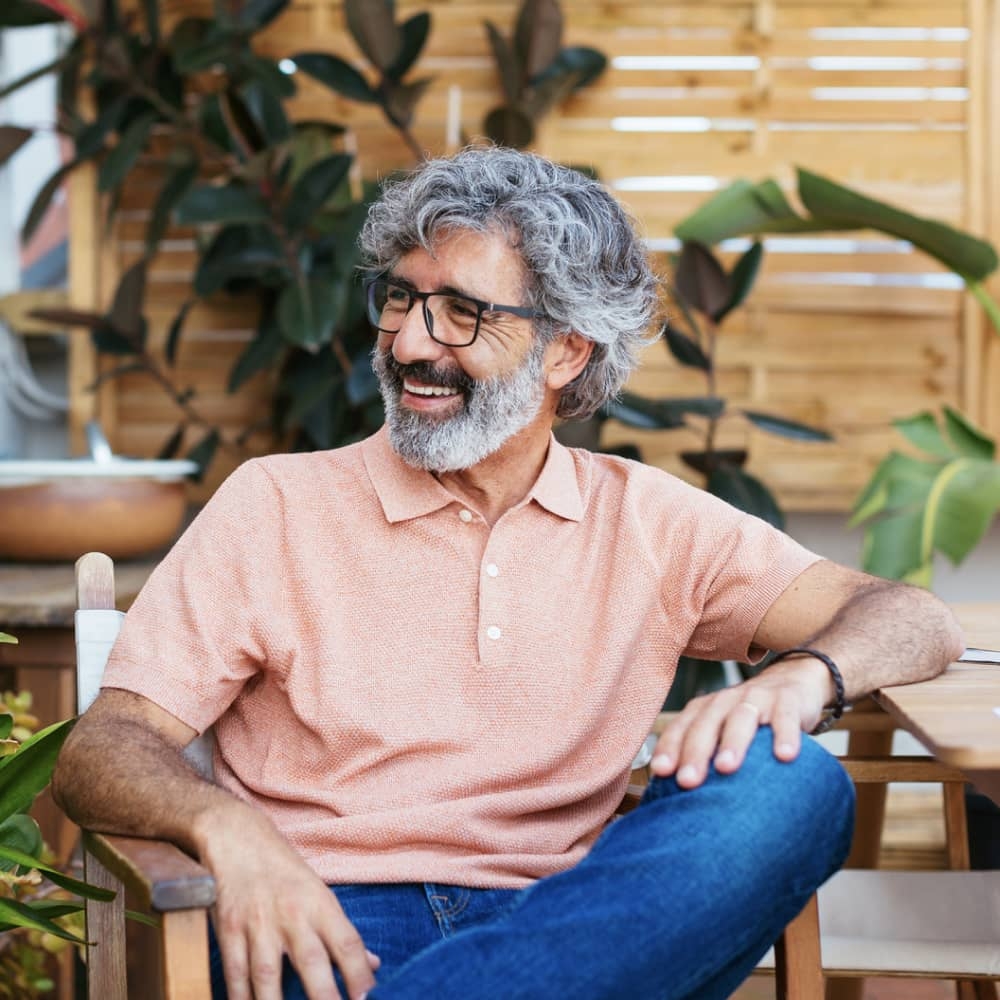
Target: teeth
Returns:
[[429, 390]]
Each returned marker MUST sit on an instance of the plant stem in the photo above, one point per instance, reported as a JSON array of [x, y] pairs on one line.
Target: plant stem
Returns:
[[989, 304], [711, 330]]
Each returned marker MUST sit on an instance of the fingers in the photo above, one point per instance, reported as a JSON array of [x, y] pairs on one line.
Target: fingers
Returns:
[[356, 963], [717, 729]]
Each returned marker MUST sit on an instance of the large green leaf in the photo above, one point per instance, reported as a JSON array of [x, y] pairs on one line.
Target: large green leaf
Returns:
[[961, 504], [785, 428], [239, 251], [314, 188], [967, 438], [966, 255], [308, 311], [27, 772], [335, 73], [267, 111], [20, 833], [922, 431], [122, 157], [373, 26], [737, 487], [232, 202]]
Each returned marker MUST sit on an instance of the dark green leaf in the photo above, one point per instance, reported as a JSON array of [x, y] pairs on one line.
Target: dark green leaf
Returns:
[[686, 350], [17, 914], [108, 340], [537, 36], [269, 75], [742, 279], [173, 443], [400, 99], [110, 374], [413, 32], [238, 251], [262, 352], [308, 311], [961, 507], [891, 547], [122, 157], [90, 138], [69, 317], [785, 428], [232, 202], [174, 333], [43, 199], [509, 127], [968, 439], [257, 14], [362, 383], [700, 280], [966, 255], [373, 26], [242, 125], [314, 188], [24, 774], [338, 75], [705, 461], [547, 92], [203, 453], [25, 13], [507, 64], [6, 724], [174, 188], [661, 414], [585, 64], [35, 74], [126, 309], [267, 112], [110, 18], [151, 10], [19, 833], [197, 44], [694, 677], [737, 487]]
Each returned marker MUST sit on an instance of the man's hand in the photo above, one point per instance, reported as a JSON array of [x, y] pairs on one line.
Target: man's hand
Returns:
[[720, 726], [272, 904]]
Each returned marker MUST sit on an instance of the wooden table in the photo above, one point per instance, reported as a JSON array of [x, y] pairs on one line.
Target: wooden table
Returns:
[[956, 715], [37, 603]]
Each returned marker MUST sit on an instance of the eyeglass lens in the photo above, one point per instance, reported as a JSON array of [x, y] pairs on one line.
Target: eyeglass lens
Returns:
[[451, 319]]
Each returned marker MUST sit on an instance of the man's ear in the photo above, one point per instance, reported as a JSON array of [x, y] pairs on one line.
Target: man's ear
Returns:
[[565, 358]]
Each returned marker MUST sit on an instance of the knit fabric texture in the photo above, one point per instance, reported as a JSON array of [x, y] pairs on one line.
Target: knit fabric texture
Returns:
[[412, 695]]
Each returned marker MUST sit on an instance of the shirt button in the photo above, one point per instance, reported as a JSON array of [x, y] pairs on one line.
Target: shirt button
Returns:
[[465, 515], [492, 570], [494, 632]]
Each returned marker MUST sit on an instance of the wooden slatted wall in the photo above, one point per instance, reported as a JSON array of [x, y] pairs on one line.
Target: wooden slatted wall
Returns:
[[895, 97]]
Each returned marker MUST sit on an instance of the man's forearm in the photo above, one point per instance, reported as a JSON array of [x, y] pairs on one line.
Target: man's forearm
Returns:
[[890, 633]]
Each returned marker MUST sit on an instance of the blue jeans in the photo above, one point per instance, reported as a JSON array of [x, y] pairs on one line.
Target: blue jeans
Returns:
[[678, 900]]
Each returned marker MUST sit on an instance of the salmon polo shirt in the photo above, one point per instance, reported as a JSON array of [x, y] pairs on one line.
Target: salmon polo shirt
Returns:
[[413, 695]]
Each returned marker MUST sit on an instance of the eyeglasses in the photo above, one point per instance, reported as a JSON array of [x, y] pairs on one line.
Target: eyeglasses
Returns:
[[451, 319]]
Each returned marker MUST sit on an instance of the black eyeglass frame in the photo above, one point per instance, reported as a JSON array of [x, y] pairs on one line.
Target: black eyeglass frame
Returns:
[[524, 312]]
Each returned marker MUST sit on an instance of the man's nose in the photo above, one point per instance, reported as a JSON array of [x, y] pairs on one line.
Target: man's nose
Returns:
[[413, 342]]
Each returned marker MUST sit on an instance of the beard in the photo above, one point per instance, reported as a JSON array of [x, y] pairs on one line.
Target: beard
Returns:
[[492, 411]]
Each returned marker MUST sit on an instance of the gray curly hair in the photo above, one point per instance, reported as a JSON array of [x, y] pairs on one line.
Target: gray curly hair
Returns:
[[587, 268]]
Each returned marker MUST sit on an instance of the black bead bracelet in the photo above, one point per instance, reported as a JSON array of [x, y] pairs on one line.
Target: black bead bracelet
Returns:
[[840, 701]]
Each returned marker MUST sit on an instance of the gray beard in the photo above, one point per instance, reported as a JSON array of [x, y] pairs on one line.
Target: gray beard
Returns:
[[494, 410]]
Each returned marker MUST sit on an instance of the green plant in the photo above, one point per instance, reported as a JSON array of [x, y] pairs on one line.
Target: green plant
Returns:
[[39, 904], [942, 500], [536, 72], [914, 505]]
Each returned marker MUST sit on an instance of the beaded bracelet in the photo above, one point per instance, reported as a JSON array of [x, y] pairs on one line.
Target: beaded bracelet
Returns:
[[840, 701]]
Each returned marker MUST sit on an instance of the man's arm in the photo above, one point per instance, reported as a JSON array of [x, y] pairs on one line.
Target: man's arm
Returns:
[[122, 771], [878, 633]]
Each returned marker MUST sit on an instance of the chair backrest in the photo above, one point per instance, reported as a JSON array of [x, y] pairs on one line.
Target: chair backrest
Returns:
[[97, 623]]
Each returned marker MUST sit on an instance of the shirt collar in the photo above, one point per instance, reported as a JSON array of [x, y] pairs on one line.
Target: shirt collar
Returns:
[[406, 492]]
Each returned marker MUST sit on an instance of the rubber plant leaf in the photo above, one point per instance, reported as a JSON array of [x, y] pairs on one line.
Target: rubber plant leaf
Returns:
[[24, 774], [25, 13], [507, 64], [401, 99], [785, 428], [126, 307], [12, 138], [335, 73], [151, 11], [174, 188], [197, 44], [44, 198], [508, 126], [257, 14], [685, 349], [260, 353], [221, 203], [700, 279], [238, 251], [269, 75], [172, 445], [413, 32], [120, 160], [267, 111], [372, 24], [972, 258], [737, 487], [314, 188], [537, 36], [308, 310], [742, 279], [174, 332], [203, 453]]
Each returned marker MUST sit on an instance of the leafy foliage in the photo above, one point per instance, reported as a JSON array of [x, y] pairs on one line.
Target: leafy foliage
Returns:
[[942, 500], [536, 72]]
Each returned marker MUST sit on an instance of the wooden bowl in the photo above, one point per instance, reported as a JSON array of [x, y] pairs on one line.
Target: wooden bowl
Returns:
[[56, 511]]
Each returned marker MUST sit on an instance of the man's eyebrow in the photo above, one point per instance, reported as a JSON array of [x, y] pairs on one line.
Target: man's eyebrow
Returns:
[[441, 289]]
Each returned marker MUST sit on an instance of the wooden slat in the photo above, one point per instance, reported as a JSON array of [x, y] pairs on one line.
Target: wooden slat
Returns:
[[105, 923]]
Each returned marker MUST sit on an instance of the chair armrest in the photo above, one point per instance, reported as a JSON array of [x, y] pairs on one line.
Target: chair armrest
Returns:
[[161, 876]]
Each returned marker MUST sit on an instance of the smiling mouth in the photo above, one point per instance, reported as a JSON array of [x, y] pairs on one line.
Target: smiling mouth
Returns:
[[430, 390]]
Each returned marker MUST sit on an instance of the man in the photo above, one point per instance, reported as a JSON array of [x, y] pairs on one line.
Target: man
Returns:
[[430, 657]]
